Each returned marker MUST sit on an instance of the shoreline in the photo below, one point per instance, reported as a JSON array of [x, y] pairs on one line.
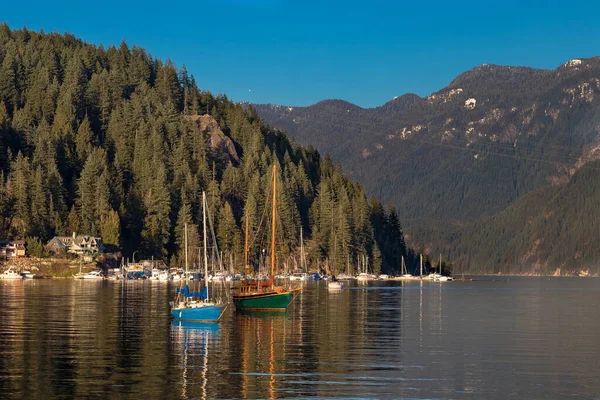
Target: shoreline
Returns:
[[64, 268]]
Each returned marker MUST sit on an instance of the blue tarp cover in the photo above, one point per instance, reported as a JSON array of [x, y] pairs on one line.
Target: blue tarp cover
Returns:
[[203, 294]]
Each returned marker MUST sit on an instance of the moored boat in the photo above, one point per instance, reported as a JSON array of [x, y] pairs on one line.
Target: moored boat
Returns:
[[344, 277], [27, 274], [11, 273], [363, 276], [197, 306], [299, 276], [265, 295], [97, 275]]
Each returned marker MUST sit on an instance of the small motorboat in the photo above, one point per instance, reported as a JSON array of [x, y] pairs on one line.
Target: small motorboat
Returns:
[[94, 275], [299, 276], [27, 274], [11, 273], [363, 276]]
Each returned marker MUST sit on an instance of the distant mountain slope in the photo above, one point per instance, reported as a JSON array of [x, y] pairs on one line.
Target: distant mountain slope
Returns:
[[465, 153]]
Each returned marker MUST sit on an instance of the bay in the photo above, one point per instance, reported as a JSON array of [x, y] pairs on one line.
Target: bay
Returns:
[[490, 338]]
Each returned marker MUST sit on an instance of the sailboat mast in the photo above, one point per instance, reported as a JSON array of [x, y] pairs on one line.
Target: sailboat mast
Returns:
[[186, 249], [205, 252], [273, 217], [246, 250], [421, 256], [301, 251], [403, 267]]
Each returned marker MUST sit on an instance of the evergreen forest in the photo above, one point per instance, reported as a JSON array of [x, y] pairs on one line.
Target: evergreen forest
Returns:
[[112, 142]]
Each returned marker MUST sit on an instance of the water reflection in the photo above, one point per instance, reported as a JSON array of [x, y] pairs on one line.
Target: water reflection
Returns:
[[191, 342], [520, 338]]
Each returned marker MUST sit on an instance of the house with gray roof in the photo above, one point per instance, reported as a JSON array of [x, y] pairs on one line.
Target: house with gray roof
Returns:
[[82, 245]]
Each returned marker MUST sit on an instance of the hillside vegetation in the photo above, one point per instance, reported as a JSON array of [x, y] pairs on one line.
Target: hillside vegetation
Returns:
[[115, 143]]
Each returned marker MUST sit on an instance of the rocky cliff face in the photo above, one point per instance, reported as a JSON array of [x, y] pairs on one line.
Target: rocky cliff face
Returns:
[[221, 145], [465, 153]]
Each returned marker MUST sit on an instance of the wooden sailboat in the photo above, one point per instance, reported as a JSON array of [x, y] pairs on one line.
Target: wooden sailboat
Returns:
[[190, 306], [265, 295]]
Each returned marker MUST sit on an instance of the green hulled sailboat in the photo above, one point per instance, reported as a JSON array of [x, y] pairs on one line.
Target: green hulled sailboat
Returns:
[[264, 295]]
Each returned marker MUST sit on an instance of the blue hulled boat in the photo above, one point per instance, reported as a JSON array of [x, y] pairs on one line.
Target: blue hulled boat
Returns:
[[196, 306]]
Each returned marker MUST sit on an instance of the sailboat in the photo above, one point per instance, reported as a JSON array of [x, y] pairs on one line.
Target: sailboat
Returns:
[[439, 277], [265, 295], [334, 283], [404, 271], [302, 273], [196, 306]]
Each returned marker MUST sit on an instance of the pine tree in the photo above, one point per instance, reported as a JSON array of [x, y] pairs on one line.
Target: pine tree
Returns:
[[72, 221], [157, 223], [110, 229], [84, 141], [184, 217], [228, 233], [19, 187], [39, 206]]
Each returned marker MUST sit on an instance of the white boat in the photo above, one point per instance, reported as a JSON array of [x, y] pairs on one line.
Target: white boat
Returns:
[[27, 274], [164, 276], [154, 275], [219, 276], [94, 275], [384, 277], [11, 273], [344, 277], [176, 275], [299, 276], [334, 285], [439, 277], [363, 276]]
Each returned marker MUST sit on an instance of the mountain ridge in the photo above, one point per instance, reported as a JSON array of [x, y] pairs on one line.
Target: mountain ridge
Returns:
[[465, 152]]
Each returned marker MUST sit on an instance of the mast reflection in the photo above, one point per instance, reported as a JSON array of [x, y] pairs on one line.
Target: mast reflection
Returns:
[[194, 339]]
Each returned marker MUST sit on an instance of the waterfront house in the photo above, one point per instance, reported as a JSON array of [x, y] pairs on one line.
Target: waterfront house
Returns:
[[82, 245], [12, 248]]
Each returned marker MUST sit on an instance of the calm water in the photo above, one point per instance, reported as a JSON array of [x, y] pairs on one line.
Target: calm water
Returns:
[[517, 338]]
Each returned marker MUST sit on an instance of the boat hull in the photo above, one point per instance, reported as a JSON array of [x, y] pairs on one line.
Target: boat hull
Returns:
[[264, 301], [11, 277], [208, 313]]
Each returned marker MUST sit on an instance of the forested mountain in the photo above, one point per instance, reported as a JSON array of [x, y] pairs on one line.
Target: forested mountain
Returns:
[[115, 143], [471, 166]]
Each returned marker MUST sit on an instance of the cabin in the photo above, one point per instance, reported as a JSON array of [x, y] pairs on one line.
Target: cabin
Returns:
[[82, 245], [12, 248]]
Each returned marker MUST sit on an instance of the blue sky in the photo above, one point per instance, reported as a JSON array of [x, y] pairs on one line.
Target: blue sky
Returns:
[[300, 52]]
